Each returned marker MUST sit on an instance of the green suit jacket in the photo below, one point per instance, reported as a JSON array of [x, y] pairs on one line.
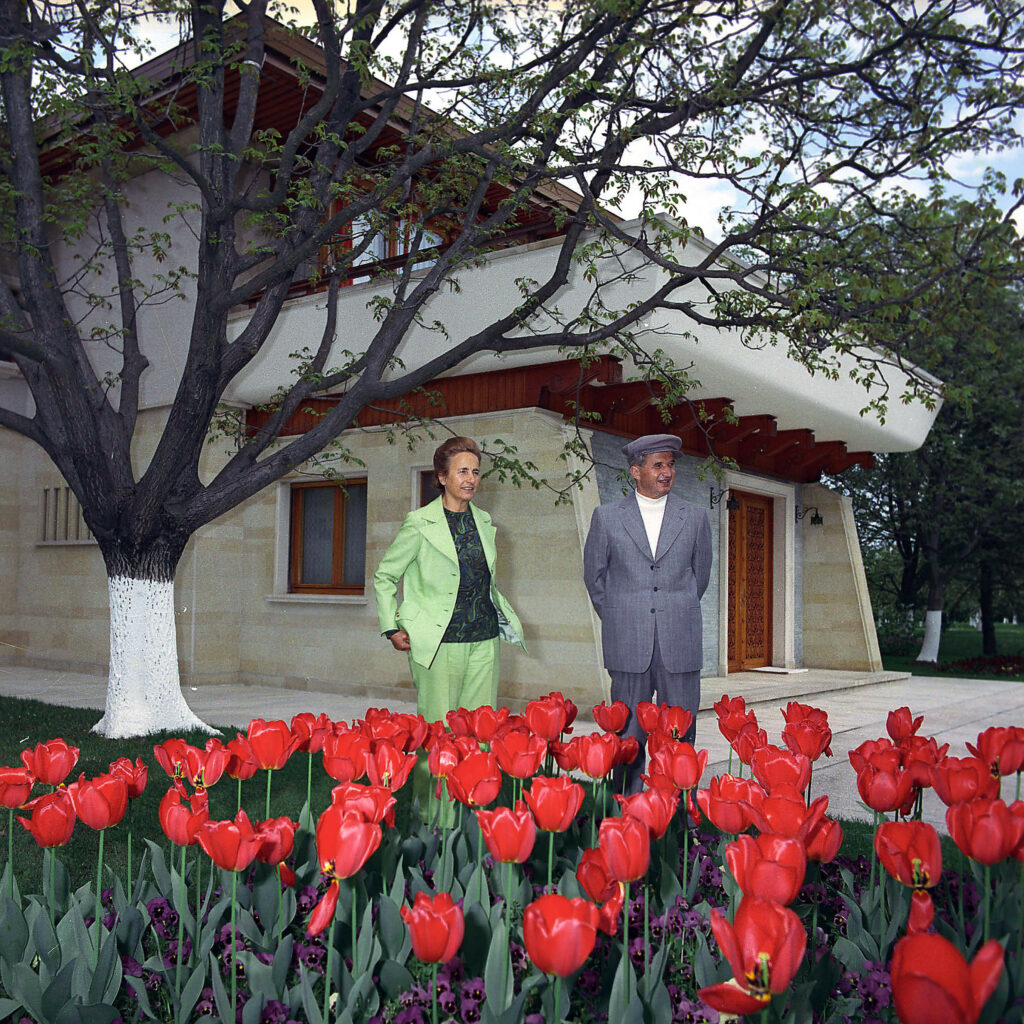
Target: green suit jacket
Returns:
[[423, 557]]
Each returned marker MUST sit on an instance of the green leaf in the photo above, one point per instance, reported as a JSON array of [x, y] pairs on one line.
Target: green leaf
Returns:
[[45, 940], [57, 994], [309, 1000], [253, 1009], [159, 867], [26, 988], [13, 932], [220, 996], [190, 993], [477, 940], [392, 928], [498, 970], [847, 953], [394, 978], [281, 966]]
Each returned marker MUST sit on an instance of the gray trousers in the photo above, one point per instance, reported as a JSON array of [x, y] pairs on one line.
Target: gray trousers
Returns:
[[680, 689]]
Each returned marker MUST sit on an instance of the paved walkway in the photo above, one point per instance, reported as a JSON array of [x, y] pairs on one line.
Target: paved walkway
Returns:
[[955, 711]]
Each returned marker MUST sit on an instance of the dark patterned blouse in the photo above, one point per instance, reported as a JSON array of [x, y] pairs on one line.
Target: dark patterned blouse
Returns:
[[474, 618]]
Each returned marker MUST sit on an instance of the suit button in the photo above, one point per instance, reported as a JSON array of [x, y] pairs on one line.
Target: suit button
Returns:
[[655, 589], [654, 567], [652, 611]]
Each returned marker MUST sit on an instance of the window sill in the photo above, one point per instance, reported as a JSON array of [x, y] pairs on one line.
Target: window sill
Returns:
[[316, 598]]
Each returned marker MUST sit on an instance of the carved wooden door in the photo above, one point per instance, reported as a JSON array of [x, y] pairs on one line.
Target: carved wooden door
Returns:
[[750, 582]]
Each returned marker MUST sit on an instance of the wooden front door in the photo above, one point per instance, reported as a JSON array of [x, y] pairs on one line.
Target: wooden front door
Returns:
[[750, 582]]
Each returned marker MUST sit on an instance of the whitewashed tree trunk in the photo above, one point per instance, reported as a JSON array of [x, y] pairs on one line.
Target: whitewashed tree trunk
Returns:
[[144, 691], [932, 635]]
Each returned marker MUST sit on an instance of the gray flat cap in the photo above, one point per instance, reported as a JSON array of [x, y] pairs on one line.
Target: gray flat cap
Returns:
[[650, 443]]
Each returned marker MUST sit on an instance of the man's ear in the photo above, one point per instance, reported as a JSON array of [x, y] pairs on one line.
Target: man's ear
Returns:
[[634, 472]]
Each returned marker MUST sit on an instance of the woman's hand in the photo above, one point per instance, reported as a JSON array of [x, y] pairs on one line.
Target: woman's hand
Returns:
[[400, 640]]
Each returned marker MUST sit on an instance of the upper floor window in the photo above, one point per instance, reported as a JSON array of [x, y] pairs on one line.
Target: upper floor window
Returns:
[[328, 537]]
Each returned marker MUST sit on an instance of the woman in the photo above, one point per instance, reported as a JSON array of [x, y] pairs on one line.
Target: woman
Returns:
[[452, 615]]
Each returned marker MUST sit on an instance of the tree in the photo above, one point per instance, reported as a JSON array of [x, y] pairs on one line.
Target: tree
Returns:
[[461, 120]]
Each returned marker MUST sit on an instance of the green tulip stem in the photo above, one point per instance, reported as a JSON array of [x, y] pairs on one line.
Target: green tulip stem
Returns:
[[234, 950], [1018, 785], [479, 864], [130, 884], [647, 931], [238, 794], [309, 790], [355, 932], [988, 900], [814, 913], [99, 900], [433, 998], [508, 938], [280, 901], [551, 858], [50, 900], [558, 999], [181, 931], [10, 851], [330, 966], [686, 846], [730, 759], [625, 949], [270, 776], [874, 856], [604, 797], [593, 817]]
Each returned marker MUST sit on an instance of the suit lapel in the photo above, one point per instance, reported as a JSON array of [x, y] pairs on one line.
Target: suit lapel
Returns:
[[487, 532], [672, 524], [633, 524], [435, 530]]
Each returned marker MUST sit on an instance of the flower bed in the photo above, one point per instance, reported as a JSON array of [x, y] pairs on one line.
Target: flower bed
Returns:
[[537, 893]]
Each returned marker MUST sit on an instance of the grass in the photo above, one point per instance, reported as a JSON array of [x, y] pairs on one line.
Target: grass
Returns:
[[961, 641]]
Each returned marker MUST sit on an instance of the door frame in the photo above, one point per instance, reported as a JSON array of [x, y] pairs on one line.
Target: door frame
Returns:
[[784, 499]]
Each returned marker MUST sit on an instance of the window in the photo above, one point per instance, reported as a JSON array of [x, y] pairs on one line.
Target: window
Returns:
[[328, 538], [61, 520], [386, 243]]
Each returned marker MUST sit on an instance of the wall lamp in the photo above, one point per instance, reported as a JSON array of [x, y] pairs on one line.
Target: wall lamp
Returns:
[[732, 504], [816, 519]]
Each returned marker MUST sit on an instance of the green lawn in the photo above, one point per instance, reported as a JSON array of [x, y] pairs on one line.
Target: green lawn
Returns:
[[961, 641]]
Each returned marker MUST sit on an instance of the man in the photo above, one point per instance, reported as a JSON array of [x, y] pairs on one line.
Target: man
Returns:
[[646, 565]]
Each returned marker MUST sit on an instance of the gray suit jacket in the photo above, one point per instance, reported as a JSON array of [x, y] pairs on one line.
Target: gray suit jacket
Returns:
[[634, 590]]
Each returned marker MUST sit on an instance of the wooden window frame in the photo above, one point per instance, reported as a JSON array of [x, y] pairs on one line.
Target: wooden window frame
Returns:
[[295, 538]]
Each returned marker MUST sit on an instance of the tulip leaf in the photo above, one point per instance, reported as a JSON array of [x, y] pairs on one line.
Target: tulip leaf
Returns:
[[258, 976], [392, 929], [309, 1000], [25, 986], [106, 978], [57, 994], [73, 936], [13, 932], [128, 930], [397, 892], [619, 1012], [180, 902], [264, 900], [138, 987], [847, 953], [498, 969], [45, 940], [282, 965], [220, 996], [159, 866], [190, 993], [363, 999], [394, 978], [253, 1009], [98, 1013], [8, 1006], [705, 970], [657, 1005], [477, 940]]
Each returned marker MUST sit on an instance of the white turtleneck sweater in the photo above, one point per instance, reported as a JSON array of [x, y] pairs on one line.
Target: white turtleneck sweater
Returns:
[[652, 511]]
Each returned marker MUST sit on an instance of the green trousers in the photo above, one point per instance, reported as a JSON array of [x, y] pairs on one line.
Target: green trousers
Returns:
[[460, 676]]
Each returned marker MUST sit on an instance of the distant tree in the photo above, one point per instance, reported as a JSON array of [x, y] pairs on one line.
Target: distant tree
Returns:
[[422, 112]]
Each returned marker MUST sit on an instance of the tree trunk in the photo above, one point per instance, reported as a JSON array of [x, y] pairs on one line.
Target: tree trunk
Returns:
[[988, 622], [143, 691]]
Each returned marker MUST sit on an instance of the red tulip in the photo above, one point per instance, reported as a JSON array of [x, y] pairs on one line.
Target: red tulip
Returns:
[[345, 754], [277, 839], [884, 789], [785, 813], [100, 802], [183, 761], [487, 721], [170, 755], [323, 913], [764, 946], [732, 716], [15, 786], [869, 751], [931, 980], [310, 730], [345, 841], [679, 763], [773, 767], [52, 818], [443, 755], [241, 762], [1001, 748], [272, 743], [611, 717], [918, 755], [611, 911], [959, 779], [565, 754], [770, 867], [519, 752], [555, 802], [596, 753], [823, 841], [51, 762], [629, 750], [135, 775], [901, 724], [748, 740], [436, 927], [922, 912], [179, 819], [231, 845], [460, 721], [380, 724], [559, 933], [727, 800], [647, 715], [910, 852], [476, 779], [987, 831], [593, 875], [626, 845], [374, 803], [509, 834], [806, 730], [654, 807], [388, 765], [547, 717]]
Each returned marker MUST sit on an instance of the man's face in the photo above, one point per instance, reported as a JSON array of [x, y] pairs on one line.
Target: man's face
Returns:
[[655, 477]]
